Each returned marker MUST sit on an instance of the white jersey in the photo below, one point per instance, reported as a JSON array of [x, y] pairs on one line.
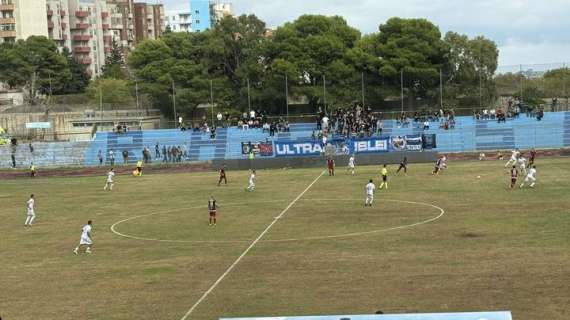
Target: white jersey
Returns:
[[370, 187], [252, 179], [522, 161], [514, 155], [85, 232], [110, 176], [351, 162], [30, 205], [531, 173]]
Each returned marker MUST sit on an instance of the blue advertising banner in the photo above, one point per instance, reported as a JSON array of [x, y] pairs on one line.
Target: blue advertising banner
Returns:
[[350, 146], [501, 315], [369, 145]]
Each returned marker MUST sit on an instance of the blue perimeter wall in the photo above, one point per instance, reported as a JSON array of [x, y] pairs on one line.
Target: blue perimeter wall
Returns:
[[469, 135], [501, 315]]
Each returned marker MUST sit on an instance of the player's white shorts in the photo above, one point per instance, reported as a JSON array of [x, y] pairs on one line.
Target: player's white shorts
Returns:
[[31, 213], [370, 197], [529, 178], [351, 166], [85, 240]]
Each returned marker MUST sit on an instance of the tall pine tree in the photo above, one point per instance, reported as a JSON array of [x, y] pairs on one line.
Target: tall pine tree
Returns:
[[79, 75], [114, 67]]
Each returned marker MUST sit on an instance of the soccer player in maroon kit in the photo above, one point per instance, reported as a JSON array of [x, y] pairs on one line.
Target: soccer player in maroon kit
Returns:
[[222, 176], [212, 208], [531, 158], [330, 165], [514, 176]]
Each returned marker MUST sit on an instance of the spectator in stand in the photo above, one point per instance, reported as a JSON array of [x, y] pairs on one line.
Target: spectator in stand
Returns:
[[164, 154], [157, 151], [125, 157], [220, 117], [100, 157], [426, 125], [112, 157]]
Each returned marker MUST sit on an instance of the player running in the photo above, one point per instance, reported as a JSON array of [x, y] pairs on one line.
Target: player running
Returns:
[[330, 166], [384, 173], [350, 167], [370, 187], [531, 158], [514, 176], [212, 209], [251, 186], [514, 157], [109, 184], [86, 239], [222, 176], [403, 165], [530, 177], [437, 167], [31, 215], [522, 164]]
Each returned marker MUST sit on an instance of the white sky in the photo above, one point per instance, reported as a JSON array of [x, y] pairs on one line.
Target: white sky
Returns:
[[526, 31]]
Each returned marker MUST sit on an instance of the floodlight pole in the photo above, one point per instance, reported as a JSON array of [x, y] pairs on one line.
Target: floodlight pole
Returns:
[[402, 88], [441, 89], [362, 86], [174, 102], [212, 100], [248, 96], [325, 92], [287, 95]]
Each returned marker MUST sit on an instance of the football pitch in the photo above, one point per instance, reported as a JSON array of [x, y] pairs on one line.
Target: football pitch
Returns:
[[302, 244]]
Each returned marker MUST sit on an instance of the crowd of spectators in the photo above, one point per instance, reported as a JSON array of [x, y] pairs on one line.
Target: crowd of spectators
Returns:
[[513, 109]]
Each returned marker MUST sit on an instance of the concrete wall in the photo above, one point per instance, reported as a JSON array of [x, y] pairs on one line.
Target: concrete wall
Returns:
[[31, 18]]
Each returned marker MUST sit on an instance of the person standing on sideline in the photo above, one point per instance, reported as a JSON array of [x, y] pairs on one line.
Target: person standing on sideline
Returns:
[[31, 216], [212, 207], [32, 170], [112, 157], [86, 239], [351, 165], [403, 165], [384, 173], [109, 184], [100, 157], [157, 152], [370, 187], [251, 186]]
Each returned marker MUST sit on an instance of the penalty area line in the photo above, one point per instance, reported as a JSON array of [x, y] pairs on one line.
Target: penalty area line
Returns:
[[246, 251]]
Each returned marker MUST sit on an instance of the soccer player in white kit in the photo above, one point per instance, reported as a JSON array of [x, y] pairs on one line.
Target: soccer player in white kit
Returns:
[[514, 157], [109, 183], [251, 186], [370, 187], [30, 205], [530, 177], [350, 165], [522, 164], [85, 239]]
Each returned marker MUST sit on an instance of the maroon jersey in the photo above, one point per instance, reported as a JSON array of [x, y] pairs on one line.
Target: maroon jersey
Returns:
[[222, 173], [514, 173], [330, 163], [212, 205], [532, 155]]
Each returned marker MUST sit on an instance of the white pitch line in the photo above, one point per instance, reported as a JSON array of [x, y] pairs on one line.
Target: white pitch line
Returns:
[[246, 251]]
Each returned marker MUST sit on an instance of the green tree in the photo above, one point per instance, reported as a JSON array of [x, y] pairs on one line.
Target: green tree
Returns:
[[35, 65], [114, 63], [113, 92], [311, 49], [471, 66], [79, 76]]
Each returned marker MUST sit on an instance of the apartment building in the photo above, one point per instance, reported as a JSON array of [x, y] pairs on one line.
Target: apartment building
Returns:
[[20, 19], [148, 21], [179, 21], [219, 10]]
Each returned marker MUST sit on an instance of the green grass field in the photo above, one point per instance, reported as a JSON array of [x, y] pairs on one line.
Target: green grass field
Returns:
[[492, 249]]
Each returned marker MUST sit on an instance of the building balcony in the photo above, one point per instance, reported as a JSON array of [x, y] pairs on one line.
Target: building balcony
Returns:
[[81, 50], [84, 60], [81, 14], [64, 38], [108, 49], [7, 7], [104, 15], [50, 25], [108, 39], [64, 25], [8, 34], [81, 26], [105, 26], [50, 12], [7, 20], [81, 37], [62, 13]]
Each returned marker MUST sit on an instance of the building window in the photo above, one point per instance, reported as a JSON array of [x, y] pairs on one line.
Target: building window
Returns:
[[198, 21], [197, 11]]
